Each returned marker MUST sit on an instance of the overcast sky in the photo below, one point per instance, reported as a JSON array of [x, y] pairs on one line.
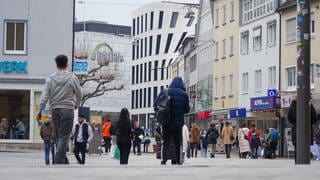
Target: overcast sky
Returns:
[[113, 11]]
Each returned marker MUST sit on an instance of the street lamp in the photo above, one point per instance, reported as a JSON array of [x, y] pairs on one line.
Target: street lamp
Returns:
[[84, 24]]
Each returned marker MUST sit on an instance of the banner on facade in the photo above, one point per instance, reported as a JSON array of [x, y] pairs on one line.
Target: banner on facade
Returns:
[[264, 103]]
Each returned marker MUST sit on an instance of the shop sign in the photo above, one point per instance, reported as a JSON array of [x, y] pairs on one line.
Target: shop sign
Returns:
[[263, 103], [286, 101], [80, 66], [220, 117], [238, 113], [13, 66], [203, 115], [272, 92]]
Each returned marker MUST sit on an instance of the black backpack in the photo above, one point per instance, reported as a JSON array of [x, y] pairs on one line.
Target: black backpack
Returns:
[[164, 108]]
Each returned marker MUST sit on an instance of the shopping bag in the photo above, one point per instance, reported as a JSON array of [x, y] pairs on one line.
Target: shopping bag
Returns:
[[116, 152]]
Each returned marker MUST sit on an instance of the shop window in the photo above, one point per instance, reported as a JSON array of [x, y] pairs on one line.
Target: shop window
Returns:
[[15, 37], [15, 113]]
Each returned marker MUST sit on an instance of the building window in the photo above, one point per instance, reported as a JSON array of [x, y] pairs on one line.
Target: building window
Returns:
[[217, 18], [257, 39], [142, 24], [160, 19], [133, 27], [232, 11], [312, 69], [140, 104], [217, 50], [132, 78], [312, 23], [158, 44], [149, 96], [231, 84], [137, 49], [137, 97], [224, 15], [145, 72], [258, 80], [245, 82], [162, 69], [291, 30], [150, 45], [169, 39], [223, 86], [150, 70], [15, 37], [141, 73], [151, 20], [216, 91], [144, 97], [132, 99], [137, 74], [244, 43], [146, 22], [223, 49], [193, 63], [155, 78], [291, 77], [272, 77], [15, 105], [138, 25], [231, 46], [180, 41], [191, 19], [155, 92], [271, 34], [174, 18], [133, 52], [145, 47], [141, 48]]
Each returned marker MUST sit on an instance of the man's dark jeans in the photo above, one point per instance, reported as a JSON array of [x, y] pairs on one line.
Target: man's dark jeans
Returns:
[[80, 147], [62, 120]]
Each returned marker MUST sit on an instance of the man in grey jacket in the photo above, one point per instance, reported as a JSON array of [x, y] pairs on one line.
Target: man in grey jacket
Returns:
[[63, 92]]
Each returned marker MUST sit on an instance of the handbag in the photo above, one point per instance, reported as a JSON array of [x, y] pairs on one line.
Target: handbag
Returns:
[[244, 135], [231, 137]]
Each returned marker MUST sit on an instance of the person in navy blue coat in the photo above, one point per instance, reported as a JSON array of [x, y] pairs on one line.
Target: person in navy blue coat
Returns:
[[180, 106]]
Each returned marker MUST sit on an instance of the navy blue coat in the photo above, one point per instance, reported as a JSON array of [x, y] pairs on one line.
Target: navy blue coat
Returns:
[[180, 99]]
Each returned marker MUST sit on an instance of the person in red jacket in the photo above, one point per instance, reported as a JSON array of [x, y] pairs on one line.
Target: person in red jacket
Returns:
[[254, 140], [106, 133]]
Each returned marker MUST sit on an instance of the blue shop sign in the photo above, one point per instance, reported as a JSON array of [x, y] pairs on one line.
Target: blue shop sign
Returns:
[[13, 66], [238, 113], [80, 66], [263, 103]]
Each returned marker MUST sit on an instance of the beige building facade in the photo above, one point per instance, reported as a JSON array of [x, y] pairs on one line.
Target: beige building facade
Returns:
[[225, 66], [289, 54]]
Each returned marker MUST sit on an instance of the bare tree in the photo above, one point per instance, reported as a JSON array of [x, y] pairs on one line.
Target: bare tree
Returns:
[[102, 76]]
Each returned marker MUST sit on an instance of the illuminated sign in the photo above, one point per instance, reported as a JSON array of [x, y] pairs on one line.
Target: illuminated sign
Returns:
[[13, 66]]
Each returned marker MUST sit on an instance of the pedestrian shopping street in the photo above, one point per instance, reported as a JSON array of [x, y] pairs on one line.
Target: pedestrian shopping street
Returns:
[[30, 165]]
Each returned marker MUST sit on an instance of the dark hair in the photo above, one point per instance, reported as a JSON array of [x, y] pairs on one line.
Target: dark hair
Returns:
[[124, 113], [243, 125], [61, 61], [253, 125]]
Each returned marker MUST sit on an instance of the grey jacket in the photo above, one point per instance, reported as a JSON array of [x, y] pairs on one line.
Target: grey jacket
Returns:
[[62, 90]]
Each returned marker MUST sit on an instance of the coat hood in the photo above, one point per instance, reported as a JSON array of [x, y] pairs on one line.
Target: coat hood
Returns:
[[177, 82], [61, 78]]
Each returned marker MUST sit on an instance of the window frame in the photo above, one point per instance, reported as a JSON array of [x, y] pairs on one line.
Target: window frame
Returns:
[[271, 41], [286, 30], [15, 52], [246, 51]]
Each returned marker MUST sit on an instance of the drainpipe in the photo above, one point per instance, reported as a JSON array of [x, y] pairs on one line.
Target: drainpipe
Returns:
[[73, 28]]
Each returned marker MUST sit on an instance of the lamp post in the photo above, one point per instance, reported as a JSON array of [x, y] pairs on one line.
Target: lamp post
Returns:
[[84, 24]]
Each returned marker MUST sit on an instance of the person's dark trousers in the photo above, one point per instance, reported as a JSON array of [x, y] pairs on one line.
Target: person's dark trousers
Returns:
[[176, 134], [107, 143], [244, 155], [254, 151], [273, 147], [80, 147], [194, 149], [124, 148], [227, 148], [138, 145], [47, 147], [62, 120]]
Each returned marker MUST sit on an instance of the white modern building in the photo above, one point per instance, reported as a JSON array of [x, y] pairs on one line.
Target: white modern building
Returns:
[[32, 34], [259, 61], [158, 29], [201, 66], [95, 41]]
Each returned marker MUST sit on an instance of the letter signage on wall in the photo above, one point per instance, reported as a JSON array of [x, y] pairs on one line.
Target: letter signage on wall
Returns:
[[13, 66]]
